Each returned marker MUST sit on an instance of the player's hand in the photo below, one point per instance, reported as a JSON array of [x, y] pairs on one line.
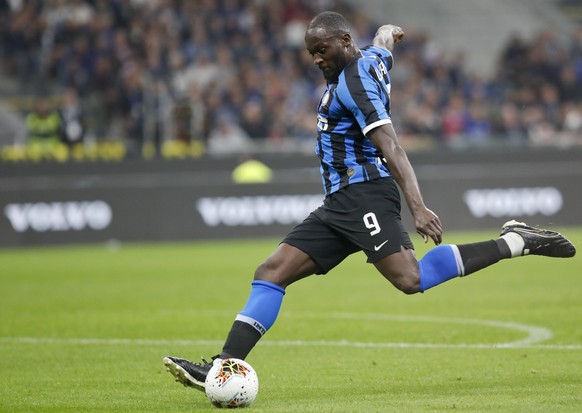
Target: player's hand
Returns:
[[388, 35], [429, 226]]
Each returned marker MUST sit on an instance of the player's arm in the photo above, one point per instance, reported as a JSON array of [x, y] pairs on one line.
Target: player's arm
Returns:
[[387, 36], [427, 222], [385, 139]]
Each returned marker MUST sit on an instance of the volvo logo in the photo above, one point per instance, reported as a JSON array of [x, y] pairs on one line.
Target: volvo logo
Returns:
[[511, 202], [256, 210], [59, 216]]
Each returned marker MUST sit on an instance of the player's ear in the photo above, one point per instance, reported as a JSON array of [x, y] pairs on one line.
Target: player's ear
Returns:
[[346, 40]]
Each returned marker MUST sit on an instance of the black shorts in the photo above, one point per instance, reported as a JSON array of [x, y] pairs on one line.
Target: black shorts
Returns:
[[361, 217]]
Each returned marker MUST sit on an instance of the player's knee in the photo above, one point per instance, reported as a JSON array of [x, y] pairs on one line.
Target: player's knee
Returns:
[[264, 272], [408, 284], [401, 270], [268, 271], [410, 288]]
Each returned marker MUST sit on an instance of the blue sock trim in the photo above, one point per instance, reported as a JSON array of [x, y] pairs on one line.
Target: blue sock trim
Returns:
[[438, 265], [268, 284], [263, 305]]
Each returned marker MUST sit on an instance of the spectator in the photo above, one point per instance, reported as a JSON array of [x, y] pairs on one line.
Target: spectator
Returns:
[[72, 118], [43, 124], [511, 125], [453, 122], [228, 137], [476, 125], [573, 122], [254, 120]]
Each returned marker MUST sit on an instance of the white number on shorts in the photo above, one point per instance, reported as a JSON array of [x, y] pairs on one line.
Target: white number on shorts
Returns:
[[371, 222]]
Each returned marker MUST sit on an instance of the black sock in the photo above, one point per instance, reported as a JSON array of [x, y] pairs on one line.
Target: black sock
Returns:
[[479, 255], [240, 341]]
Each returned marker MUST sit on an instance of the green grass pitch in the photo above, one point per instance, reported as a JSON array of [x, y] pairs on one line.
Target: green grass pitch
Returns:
[[84, 329]]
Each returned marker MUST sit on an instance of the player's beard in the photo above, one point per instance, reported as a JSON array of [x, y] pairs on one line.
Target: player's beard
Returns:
[[332, 72]]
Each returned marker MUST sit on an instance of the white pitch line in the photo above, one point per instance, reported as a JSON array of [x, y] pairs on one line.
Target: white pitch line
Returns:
[[291, 343], [534, 335]]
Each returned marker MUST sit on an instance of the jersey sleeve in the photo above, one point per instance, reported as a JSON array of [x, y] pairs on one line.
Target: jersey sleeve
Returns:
[[384, 54], [364, 89]]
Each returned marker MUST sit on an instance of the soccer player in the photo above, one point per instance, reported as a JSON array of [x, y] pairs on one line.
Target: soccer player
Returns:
[[362, 163]]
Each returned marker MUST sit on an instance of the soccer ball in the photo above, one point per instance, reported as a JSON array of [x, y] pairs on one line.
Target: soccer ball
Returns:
[[231, 383]]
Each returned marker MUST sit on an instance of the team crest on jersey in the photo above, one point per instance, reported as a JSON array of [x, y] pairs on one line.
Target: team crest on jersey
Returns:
[[351, 172], [321, 123]]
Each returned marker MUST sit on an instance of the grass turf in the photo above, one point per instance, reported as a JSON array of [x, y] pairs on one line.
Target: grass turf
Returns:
[[84, 329]]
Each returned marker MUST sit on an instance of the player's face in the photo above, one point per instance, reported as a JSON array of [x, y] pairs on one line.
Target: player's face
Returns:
[[330, 54]]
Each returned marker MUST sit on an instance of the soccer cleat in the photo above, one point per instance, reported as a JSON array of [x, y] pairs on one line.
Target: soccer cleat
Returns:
[[539, 241], [188, 373]]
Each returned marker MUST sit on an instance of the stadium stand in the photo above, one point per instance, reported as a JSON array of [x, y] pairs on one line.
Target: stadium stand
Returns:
[[170, 76]]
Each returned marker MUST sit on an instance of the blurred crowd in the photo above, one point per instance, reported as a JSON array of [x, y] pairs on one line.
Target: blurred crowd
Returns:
[[231, 73], [534, 96]]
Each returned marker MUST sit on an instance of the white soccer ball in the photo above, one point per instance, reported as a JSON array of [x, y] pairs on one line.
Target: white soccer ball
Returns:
[[231, 383]]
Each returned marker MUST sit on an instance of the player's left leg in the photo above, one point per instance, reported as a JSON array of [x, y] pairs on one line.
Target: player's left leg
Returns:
[[285, 266], [445, 262], [311, 247], [188, 373]]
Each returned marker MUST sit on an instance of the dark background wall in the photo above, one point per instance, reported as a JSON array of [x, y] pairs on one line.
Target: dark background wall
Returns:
[[157, 200]]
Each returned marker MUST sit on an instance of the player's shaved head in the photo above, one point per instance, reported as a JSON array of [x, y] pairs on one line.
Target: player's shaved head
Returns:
[[329, 42], [329, 24]]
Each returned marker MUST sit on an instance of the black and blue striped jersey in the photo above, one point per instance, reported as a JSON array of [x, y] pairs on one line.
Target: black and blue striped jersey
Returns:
[[350, 108]]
